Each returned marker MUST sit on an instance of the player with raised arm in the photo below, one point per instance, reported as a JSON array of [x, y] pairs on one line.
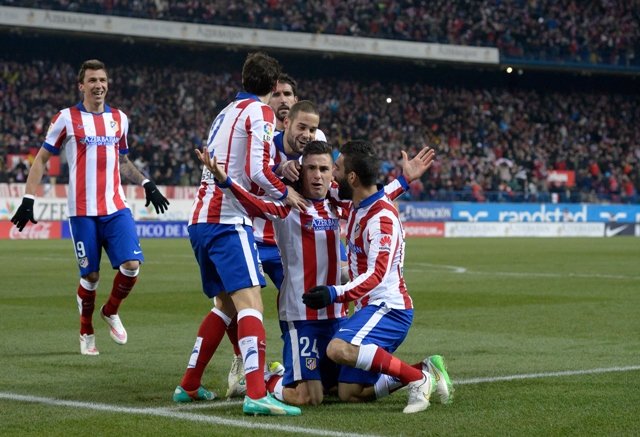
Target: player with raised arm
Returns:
[[222, 238], [309, 242], [94, 136], [384, 309]]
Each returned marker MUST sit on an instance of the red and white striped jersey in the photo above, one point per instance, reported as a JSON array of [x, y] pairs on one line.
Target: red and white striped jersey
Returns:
[[240, 137], [263, 231], [309, 243], [93, 144], [375, 251]]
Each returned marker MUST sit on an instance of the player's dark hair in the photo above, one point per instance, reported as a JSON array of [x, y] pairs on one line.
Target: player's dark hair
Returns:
[[360, 157], [317, 148], [302, 106], [91, 64], [260, 73], [285, 78]]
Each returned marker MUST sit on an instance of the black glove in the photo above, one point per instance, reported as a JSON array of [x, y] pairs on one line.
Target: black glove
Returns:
[[319, 297], [154, 196], [24, 214]]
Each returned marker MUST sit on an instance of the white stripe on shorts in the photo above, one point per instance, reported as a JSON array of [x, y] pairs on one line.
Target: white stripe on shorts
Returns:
[[366, 329], [246, 250]]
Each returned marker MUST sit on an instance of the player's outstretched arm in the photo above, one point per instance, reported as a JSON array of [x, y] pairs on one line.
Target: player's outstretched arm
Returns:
[[416, 167]]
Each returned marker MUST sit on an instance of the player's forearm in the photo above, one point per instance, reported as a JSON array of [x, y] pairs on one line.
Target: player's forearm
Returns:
[[36, 172], [34, 178], [359, 287], [129, 171]]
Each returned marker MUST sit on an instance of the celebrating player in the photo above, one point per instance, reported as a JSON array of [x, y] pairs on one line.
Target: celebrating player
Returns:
[[94, 136], [384, 310], [309, 242], [222, 239]]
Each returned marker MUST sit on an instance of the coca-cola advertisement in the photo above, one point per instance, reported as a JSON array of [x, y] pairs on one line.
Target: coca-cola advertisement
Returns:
[[33, 231]]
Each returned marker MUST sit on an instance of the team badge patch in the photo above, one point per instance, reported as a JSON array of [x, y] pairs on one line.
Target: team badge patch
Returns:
[[114, 125], [83, 262], [311, 363]]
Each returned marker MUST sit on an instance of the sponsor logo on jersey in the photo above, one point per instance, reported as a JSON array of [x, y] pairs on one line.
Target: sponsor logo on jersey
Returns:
[[385, 243], [100, 140], [322, 224]]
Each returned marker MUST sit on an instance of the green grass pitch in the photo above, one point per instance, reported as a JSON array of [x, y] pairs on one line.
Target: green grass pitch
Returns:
[[509, 315]]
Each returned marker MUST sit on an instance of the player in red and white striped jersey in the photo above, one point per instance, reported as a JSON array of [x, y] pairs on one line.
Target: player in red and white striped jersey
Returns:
[[309, 243], [384, 310], [94, 136], [220, 231]]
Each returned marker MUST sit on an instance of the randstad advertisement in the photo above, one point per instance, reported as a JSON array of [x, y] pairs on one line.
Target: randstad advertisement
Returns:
[[545, 212]]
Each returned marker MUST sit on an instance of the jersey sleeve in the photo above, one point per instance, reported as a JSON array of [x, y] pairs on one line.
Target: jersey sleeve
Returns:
[[56, 135], [261, 127], [255, 206], [396, 188], [123, 144], [383, 240]]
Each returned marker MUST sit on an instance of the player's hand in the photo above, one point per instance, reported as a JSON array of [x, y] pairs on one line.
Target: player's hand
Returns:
[[160, 203], [295, 200], [212, 165], [415, 168], [290, 170], [24, 214], [319, 297]]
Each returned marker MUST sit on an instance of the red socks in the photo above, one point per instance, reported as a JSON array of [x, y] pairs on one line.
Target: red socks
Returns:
[[210, 335], [86, 305], [252, 344], [122, 285], [384, 362]]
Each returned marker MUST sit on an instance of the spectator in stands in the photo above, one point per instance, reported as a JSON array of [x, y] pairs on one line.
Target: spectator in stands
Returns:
[[606, 32]]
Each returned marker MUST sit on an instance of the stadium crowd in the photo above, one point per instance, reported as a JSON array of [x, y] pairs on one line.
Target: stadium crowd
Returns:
[[496, 144], [595, 32]]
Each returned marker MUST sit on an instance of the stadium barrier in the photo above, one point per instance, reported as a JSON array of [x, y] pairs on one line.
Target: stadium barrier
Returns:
[[420, 219]]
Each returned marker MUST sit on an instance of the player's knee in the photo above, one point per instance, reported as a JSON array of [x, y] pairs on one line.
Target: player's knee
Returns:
[[92, 277], [336, 351], [131, 265]]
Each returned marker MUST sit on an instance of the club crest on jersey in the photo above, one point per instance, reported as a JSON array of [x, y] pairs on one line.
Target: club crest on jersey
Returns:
[[311, 363], [385, 243], [114, 125], [267, 135], [83, 262]]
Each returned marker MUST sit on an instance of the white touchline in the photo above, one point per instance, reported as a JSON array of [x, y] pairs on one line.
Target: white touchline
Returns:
[[164, 412], [173, 414], [544, 375], [459, 269]]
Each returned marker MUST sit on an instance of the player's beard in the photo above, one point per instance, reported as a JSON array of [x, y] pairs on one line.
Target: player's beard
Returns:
[[282, 112], [345, 191]]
